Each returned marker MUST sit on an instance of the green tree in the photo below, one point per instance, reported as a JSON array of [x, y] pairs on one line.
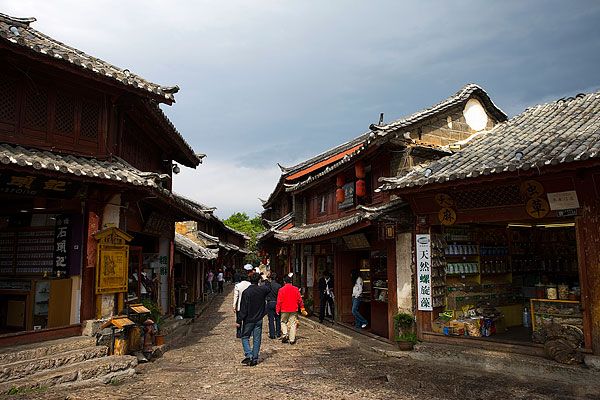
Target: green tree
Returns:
[[240, 221]]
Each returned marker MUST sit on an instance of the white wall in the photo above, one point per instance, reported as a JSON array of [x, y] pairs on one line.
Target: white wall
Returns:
[[404, 276]]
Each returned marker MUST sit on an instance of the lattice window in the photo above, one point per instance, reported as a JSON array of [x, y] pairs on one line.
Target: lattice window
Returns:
[[90, 114], [65, 114], [8, 99], [36, 107], [488, 197]]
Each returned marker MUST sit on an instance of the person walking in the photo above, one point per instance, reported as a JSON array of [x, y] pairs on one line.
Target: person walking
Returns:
[[220, 280], [326, 296], [274, 318], [288, 302], [238, 289], [209, 280], [250, 318], [357, 289]]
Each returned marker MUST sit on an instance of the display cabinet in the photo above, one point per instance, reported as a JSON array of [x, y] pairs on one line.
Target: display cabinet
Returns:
[[562, 312]]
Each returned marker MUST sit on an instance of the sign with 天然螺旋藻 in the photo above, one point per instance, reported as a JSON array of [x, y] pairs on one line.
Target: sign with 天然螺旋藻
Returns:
[[424, 297]]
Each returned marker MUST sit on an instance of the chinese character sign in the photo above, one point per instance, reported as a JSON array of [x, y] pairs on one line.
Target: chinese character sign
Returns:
[[61, 244], [424, 297]]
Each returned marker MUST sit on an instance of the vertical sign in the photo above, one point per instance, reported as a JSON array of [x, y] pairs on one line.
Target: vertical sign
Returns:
[[61, 244], [424, 272]]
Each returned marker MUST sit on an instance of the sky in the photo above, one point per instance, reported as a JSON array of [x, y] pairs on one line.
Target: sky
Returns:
[[267, 82]]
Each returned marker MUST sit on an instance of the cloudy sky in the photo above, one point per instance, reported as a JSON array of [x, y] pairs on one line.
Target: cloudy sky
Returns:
[[279, 81]]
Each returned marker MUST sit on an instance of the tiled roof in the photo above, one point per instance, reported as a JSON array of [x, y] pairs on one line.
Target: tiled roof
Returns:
[[190, 158], [378, 134], [274, 226], [460, 97], [563, 131], [205, 211], [312, 231], [116, 170], [18, 32], [194, 250]]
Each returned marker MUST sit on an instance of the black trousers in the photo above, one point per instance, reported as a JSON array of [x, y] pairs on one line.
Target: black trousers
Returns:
[[325, 299]]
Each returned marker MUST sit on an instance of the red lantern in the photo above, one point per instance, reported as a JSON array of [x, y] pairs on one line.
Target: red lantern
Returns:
[[359, 168], [339, 181], [340, 195], [361, 188]]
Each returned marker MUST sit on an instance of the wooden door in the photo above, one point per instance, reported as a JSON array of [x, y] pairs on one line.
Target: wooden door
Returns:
[[59, 306]]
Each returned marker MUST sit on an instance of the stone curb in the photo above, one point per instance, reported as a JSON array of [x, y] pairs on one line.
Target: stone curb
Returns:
[[491, 361]]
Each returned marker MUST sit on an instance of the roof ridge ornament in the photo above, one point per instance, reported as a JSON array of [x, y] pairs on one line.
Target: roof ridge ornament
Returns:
[[18, 20]]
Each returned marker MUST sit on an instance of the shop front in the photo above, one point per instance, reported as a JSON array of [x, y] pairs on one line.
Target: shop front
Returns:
[[503, 261]]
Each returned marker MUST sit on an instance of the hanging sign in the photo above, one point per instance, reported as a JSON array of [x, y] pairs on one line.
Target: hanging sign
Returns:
[[424, 297], [532, 189], [444, 200], [537, 207], [447, 216], [563, 200], [113, 261], [348, 196], [32, 185], [61, 245]]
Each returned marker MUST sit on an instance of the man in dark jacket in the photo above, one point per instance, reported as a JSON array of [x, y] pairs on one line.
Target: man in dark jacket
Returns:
[[274, 318], [325, 295], [252, 311]]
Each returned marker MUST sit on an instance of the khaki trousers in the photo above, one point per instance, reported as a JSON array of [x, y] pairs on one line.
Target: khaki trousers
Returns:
[[289, 323]]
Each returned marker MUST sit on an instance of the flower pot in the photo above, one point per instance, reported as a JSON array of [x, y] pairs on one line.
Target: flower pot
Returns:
[[159, 339], [405, 346]]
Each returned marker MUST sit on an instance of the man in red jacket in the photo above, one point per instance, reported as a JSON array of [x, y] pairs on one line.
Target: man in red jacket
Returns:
[[288, 302]]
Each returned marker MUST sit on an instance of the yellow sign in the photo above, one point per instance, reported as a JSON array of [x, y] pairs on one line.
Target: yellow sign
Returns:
[[532, 189], [538, 207], [444, 200], [447, 216], [113, 261]]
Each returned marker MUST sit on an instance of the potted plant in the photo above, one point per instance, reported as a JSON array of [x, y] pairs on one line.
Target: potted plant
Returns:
[[156, 316], [404, 326], [308, 305]]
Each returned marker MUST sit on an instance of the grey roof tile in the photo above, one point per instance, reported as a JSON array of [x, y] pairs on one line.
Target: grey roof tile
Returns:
[[18, 31], [563, 131]]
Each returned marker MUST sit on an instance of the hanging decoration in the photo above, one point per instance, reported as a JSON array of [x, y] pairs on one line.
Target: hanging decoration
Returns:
[[340, 194]]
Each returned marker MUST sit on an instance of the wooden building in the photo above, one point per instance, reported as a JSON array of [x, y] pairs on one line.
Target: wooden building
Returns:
[[512, 219], [86, 155], [326, 215]]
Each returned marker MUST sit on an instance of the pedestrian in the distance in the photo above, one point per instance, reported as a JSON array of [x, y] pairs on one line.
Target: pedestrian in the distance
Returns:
[[326, 296], [274, 318], [220, 280], [289, 301], [209, 280], [250, 318], [357, 289], [238, 289]]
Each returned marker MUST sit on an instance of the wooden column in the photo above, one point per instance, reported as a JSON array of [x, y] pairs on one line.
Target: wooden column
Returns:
[[88, 273], [588, 248], [392, 285]]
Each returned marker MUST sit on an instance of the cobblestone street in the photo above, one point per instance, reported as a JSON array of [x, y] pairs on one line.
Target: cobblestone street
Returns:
[[319, 366]]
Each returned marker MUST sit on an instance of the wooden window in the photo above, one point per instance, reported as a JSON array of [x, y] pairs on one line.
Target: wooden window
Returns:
[[90, 116], [36, 108], [65, 114], [8, 99]]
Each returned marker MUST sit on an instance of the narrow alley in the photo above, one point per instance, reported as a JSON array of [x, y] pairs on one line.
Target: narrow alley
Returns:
[[319, 366]]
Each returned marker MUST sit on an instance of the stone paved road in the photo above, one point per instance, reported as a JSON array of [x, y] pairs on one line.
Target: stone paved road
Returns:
[[318, 366]]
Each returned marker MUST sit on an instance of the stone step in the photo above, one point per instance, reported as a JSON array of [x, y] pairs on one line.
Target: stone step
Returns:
[[104, 370], [9, 355], [21, 369]]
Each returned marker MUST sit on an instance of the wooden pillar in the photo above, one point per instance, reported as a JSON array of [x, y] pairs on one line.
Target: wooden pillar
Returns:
[[88, 273], [392, 285], [588, 249]]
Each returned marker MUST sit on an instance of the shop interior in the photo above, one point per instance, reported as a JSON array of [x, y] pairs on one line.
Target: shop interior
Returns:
[[507, 282], [33, 295]]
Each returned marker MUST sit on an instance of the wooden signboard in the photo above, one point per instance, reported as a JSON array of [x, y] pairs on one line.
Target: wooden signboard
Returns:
[[112, 262]]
